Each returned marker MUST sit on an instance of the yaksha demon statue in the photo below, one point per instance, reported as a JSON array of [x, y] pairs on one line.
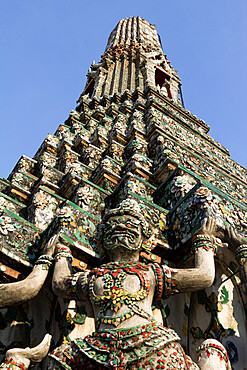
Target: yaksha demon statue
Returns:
[[121, 292]]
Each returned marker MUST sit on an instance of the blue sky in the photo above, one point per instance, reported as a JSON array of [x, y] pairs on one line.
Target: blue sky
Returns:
[[47, 47]]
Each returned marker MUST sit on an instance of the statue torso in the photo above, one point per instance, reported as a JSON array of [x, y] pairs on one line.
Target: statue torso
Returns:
[[118, 290]]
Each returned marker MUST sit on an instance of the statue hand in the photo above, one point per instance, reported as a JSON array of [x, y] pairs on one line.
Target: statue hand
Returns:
[[229, 235], [51, 245], [233, 239], [209, 227]]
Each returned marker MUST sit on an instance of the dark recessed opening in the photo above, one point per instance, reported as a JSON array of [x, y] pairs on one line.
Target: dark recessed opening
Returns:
[[90, 87], [160, 78]]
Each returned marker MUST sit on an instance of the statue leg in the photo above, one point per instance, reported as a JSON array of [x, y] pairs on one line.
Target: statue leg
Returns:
[[22, 358], [212, 355]]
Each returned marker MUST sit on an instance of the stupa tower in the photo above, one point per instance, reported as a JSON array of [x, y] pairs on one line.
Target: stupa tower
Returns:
[[133, 59], [129, 137]]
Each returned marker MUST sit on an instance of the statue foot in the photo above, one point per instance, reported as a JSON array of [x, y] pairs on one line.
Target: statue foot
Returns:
[[27, 356], [212, 355]]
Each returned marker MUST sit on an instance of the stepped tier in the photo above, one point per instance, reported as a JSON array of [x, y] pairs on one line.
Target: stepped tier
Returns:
[[129, 137]]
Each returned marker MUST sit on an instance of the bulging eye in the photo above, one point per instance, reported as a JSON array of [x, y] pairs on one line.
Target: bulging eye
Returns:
[[130, 222]]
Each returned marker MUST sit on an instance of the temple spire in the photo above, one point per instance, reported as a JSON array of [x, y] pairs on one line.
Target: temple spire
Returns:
[[133, 59], [134, 31]]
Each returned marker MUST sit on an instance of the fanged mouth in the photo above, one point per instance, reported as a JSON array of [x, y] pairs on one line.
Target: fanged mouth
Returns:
[[121, 235]]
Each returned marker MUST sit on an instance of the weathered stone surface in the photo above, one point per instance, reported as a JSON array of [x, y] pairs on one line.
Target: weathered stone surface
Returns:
[[199, 203], [122, 186]]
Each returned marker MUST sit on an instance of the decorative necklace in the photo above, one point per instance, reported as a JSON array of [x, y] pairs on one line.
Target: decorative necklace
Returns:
[[114, 296]]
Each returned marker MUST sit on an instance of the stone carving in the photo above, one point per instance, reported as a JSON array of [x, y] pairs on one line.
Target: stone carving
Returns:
[[22, 291], [22, 358], [121, 292], [16, 237], [43, 209], [90, 199], [132, 154], [5, 204], [203, 202]]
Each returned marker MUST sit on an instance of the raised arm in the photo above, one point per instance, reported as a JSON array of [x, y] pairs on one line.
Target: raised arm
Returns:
[[202, 275], [64, 283], [24, 290], [239, 246]]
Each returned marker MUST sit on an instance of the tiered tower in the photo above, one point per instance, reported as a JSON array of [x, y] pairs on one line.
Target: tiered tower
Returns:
[[128, 137]]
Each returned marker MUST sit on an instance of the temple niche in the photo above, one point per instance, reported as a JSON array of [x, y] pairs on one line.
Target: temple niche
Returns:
[[123, 240]]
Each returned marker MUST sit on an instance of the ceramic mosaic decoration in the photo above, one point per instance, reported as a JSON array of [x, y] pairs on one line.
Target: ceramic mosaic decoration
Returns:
[[123, 241]]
